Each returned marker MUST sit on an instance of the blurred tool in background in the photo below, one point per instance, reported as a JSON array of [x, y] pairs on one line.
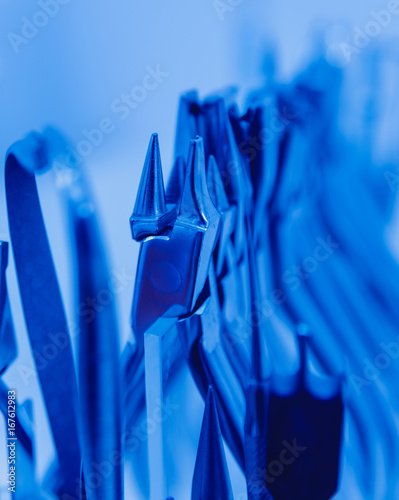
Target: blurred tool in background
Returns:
[[264, 268]]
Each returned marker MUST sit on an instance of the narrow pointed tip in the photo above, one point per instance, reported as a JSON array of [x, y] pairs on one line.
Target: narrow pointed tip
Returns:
[[210, 404], [197, 147], [210, 423], [150, 215], [151, 200], [191, 207], [211, 477], [196, 205]]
